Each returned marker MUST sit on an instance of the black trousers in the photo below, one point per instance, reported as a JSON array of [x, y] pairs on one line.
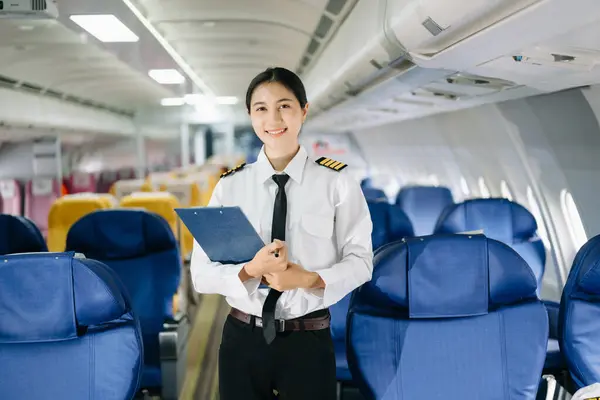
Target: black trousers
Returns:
[[300, 365]]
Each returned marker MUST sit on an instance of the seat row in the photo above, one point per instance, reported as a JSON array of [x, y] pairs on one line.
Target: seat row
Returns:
[[191, 186], [67, 210], [422, 204], [444, 316], [499, 219], [141, 252]]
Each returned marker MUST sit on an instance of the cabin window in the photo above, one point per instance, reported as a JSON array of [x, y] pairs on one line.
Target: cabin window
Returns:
[[535, 210], [464, 187], [574, 223], [483, 189], [505, 190]]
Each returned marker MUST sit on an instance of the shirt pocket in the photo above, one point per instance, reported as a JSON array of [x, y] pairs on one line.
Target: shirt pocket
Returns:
[[315, 238], [317, 225]]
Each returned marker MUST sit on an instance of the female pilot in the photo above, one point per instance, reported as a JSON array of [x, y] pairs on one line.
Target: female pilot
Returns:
[[315, 218]]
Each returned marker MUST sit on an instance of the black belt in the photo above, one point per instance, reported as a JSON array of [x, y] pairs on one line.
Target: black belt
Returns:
[[311, 322]]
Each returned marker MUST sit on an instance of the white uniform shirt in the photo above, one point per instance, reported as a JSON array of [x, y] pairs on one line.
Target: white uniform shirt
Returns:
[[328, 231]]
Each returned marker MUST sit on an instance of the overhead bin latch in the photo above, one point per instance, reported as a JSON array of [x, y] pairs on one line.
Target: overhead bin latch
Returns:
[[432, 26]]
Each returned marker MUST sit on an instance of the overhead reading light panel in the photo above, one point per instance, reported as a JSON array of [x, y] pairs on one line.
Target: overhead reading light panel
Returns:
[[465, 79], [438, 94], [106, 28], [568, 59]]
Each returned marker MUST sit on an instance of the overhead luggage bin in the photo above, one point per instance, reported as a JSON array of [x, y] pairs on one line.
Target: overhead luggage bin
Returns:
[[428, 27], [411, 44], [456, 34]]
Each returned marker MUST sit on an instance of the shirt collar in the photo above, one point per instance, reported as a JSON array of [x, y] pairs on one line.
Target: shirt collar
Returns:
[[295, 168]]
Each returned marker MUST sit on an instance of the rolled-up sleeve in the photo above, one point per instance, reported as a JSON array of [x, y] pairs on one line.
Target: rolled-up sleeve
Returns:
[[213, 277], [353, 230]]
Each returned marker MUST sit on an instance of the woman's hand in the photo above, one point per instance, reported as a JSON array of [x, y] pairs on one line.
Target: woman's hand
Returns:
[[294, 277], [265, 262]]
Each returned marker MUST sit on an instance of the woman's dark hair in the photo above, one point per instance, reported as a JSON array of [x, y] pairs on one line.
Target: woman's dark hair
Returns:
[[278, 74]]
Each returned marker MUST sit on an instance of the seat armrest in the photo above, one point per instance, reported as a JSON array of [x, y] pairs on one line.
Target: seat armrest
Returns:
[[552, 308], [550, 389], [171, 324], [173, 355]]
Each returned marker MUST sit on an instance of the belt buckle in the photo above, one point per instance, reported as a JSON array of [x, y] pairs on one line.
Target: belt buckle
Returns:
[[281, 325]]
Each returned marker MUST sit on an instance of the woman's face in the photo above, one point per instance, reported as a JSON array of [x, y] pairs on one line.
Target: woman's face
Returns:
[[277, 117]]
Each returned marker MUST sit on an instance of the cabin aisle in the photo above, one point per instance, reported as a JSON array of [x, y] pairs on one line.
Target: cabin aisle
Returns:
[[201, 381]]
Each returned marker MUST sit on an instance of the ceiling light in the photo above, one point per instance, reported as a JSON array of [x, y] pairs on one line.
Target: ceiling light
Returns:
[[228, 100], [194, 99], [166, 76], [189, 71], [172, 101], [199, 100], [106, 28]]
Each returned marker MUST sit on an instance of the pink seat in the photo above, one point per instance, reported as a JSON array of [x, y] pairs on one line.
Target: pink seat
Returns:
[[10, 197], [106, 180], [80, 182], [40, 194]]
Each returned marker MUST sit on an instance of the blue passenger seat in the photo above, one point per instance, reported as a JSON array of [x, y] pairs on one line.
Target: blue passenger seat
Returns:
[[390, 224], [423, 205], [502, 220], [366, 183], [579, 316], [141, 248], [512, 224], [20, 235], [67, 330], [374, 194], [449, 317]]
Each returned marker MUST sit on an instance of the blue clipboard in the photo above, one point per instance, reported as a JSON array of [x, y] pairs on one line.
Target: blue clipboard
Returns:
[[224, 233]]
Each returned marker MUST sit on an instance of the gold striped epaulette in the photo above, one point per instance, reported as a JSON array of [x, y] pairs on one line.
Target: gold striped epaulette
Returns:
[[331, 164], [233, 170]]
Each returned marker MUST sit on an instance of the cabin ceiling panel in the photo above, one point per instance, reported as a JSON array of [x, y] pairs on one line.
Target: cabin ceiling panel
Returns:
[[50, 55], [237, 39]]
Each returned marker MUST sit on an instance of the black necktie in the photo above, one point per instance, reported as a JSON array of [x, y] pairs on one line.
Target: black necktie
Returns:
[[277, 232]]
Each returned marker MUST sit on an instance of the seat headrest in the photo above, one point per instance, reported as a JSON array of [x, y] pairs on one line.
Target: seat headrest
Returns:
[[400, 224], [372, 194], [500, 219], [444, 276], [366, 182], [390, 223], [586, 271], [19, 235], [120, 233], [54, 296], [410, 195]]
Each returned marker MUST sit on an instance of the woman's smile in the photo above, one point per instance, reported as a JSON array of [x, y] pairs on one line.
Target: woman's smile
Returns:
[[276, 132]]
